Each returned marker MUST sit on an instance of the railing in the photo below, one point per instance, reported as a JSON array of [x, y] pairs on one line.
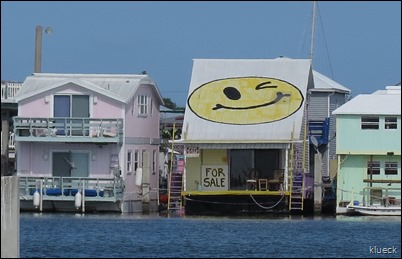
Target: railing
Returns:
[[65, 188], [99, 130], [9, 90]]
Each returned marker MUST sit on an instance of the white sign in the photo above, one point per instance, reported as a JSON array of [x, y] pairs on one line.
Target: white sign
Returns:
[[192, 152], [214, 177]]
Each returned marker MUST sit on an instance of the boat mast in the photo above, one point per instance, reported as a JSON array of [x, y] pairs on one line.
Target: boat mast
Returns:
[[312, 34]]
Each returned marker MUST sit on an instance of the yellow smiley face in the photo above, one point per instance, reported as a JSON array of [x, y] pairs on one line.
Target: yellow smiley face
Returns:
[[245, 100]]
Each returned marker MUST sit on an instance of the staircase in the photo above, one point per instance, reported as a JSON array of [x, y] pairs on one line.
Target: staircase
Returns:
[[175, 185]]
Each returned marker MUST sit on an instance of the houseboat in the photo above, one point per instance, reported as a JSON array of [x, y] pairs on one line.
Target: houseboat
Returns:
[[88, 142], [369, 150], [245, 137]]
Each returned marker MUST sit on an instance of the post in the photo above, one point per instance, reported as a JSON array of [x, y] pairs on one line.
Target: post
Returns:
[[317, 182], [41, 196], [83, 196], [38, 49], [5, 136]]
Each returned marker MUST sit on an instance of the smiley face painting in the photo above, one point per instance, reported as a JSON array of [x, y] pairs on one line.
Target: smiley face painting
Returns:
[[245, 100]]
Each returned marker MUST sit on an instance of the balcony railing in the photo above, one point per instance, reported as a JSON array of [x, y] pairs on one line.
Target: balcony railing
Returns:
[[65, 188], [68, 129], [9, 91]]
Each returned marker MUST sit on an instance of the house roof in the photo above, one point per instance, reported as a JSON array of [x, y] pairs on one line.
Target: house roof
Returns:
[[325, 84], [200, 125], [381, 102], [120, 87]]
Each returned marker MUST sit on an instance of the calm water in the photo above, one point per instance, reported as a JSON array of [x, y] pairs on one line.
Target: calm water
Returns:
[[136, 235]]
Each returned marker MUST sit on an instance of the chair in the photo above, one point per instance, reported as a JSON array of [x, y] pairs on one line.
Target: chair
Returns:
[[276, 184], [263, 184], [253, 176]]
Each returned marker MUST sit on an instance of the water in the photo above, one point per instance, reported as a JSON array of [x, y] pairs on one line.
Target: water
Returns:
[[136, 235]]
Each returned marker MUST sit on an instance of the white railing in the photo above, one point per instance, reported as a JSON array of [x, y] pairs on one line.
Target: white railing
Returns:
[[65, 188], [9, 90]]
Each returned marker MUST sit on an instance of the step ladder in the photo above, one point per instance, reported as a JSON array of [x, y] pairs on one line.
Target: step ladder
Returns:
[[297, 193], [175, 183], [296, 197]]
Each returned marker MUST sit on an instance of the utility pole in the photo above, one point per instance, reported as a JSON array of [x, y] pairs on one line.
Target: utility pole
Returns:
[[38, 47]]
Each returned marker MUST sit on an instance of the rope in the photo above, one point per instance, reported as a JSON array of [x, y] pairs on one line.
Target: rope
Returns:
[[267, 208]]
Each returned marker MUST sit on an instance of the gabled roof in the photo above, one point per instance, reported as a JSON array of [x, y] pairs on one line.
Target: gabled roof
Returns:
[[381, 102], [325, 84], [246, 86], [116, 86]]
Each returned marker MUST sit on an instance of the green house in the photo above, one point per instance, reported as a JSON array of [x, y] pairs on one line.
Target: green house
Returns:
[[368, 145]]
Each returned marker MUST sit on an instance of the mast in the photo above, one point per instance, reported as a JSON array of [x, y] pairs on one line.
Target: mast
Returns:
[[312, 34]]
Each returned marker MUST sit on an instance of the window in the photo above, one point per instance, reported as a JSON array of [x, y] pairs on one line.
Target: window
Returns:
[[391, 123], [136, 160], [391, 167], [370, 122], [69, 106], [375, 166], [150, 106], [153, 161], [142, 105], [129, 167]]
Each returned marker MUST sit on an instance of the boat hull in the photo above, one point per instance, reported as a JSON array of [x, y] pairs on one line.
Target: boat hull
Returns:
[[377, 210], [241, 205]]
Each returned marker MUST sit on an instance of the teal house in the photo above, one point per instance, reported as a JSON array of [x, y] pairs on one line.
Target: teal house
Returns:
[[368, 145]]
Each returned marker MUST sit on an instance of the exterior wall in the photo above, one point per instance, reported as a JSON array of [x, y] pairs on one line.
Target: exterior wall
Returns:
[[351, 139], [142, 135], [35, 159], [41, 105], [352, 171], [139, 126], [321, 105], [194, 164]]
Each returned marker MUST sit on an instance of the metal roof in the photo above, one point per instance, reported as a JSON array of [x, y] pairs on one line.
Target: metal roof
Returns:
[[325, 84], [120, 87], [381, 102], [199, 129]]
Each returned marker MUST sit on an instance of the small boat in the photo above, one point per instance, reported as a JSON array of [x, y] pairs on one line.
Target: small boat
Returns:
[[375, 210]]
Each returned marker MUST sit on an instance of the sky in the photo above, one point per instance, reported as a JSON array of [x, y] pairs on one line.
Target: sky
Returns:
[[357, 44]]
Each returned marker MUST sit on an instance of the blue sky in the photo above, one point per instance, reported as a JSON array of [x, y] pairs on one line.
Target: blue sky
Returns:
[[357, 44]]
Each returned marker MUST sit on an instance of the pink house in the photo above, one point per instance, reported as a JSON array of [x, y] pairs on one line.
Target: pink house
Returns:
[[92, 134]]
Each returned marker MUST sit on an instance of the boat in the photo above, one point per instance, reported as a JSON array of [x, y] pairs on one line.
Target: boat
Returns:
[[375, 210]]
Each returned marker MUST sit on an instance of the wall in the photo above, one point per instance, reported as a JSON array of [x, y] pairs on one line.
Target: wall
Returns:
[[36, 157], [352, 171], [41, 105], [352, 139], [207, 157]]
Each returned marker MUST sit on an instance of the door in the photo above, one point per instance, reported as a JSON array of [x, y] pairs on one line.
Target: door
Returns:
[[61, 108], [80, 109], [81, 164], [61, 165]]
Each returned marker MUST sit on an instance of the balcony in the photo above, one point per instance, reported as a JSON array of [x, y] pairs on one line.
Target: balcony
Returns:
[[68, 129], [9, 91]]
